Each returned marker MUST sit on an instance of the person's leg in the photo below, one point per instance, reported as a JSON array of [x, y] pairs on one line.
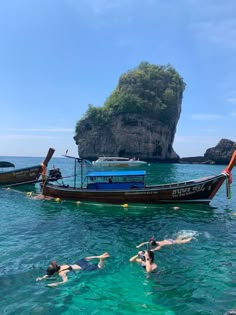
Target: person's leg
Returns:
[[101, 260], [168, 242], [183, 240], [76, 267], [103, 256], [101, 263]]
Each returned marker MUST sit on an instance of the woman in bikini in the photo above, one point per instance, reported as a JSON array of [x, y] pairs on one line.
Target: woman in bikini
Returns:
[[145, 259], [153, 245], [63, 270]]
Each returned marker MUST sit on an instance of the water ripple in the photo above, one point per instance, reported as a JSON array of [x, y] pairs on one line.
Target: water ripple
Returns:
[[194, 278]]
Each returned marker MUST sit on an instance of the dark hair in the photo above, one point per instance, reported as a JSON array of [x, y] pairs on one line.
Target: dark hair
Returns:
[[151, 255], [52, 268], [152, 242]]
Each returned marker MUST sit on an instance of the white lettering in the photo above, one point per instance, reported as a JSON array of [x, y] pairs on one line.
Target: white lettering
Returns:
[[181, 192]]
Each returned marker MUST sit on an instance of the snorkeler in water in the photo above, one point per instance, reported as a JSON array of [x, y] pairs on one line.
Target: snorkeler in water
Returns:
[[63, 270], [153, 245], [145, 259]]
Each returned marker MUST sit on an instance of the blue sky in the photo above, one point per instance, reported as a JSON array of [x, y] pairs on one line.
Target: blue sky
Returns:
[[58, 56]]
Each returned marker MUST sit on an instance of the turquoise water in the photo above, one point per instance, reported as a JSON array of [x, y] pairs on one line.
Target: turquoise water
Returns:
[[194, 278]]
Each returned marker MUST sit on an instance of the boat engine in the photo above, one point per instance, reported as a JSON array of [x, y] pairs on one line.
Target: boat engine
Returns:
[[54, 174]]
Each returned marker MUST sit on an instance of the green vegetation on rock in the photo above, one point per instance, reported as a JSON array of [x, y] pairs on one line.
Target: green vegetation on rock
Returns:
[[152, 91]]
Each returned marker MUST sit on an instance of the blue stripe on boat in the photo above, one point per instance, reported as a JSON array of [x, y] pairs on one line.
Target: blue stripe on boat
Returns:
[[117, 173]]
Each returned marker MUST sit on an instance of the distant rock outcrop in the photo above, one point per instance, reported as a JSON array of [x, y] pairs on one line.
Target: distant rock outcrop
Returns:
[[222, 152], [138, 119], [196, 160]]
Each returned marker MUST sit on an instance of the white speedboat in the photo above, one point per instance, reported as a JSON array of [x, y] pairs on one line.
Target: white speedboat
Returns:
[[114, 161]]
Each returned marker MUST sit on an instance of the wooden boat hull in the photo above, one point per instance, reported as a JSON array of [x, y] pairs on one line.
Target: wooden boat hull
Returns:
[[28, 175], [195, 191]]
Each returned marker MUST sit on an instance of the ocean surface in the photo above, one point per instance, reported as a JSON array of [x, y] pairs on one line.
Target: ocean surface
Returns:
[[194, 278]]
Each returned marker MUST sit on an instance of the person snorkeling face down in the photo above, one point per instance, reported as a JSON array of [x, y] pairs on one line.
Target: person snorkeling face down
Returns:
[[145, 259], [153, 245], [152, 242], [63, 270]]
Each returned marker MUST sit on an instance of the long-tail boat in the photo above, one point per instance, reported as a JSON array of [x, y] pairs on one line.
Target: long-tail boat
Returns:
[[27, 175], [124, 187]]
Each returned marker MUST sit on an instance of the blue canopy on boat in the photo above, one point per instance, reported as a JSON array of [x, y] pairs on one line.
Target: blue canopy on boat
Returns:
[[116, 173]]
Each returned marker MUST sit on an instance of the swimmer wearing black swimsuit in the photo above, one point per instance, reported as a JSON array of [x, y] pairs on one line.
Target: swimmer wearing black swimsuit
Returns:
[[82, 264], [85, 265]]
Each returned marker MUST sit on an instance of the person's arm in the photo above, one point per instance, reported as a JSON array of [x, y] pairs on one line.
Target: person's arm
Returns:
[[135, 259], [64, 279], [41, 278], [142, 244]]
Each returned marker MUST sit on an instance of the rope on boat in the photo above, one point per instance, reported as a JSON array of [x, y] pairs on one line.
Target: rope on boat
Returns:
[[22, 183], [229, 180], [228, 190]]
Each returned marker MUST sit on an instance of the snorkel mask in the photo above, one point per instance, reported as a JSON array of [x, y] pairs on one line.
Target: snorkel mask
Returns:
[[141, 255]]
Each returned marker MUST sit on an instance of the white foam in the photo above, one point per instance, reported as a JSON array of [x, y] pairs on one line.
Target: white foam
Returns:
[[186, 233], [207, 234]]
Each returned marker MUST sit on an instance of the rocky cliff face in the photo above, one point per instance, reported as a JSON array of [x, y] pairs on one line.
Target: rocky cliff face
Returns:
[[222, 152], [138, 119], [128, 135]]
